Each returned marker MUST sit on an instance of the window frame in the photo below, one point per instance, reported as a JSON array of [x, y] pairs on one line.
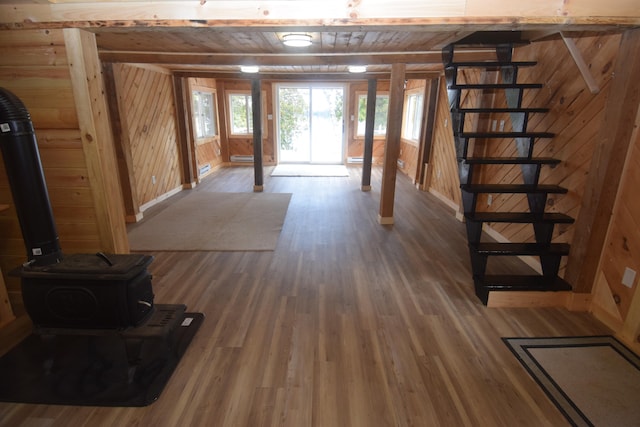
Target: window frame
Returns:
[[248, 97], [214, 114], [415, 121], [358, 96]]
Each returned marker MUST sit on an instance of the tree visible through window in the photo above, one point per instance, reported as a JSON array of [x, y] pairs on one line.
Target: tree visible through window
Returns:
[[412, 116], [380, 120], [204, 114], [241, 114]]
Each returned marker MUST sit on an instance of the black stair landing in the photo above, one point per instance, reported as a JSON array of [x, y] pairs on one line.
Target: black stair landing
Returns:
[[519, 217], [492, 283], [520, 249]]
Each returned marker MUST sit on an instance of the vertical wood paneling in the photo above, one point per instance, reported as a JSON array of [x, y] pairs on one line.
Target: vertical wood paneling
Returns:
[[148, 117], [34, 66]]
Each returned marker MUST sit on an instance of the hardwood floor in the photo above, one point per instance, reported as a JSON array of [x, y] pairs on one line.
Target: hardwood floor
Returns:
[[346, 323]]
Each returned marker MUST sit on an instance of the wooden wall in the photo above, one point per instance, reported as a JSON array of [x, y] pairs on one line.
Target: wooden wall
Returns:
[[34, 66], [614, 303], [148, 122], [442, 173]]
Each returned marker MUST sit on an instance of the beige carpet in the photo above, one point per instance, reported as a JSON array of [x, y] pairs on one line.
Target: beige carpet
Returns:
[[310, 170], [594, 381], [207, 221]]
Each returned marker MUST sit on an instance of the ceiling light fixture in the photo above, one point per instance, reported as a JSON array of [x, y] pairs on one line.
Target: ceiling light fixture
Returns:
[[249, 68], [296, 40], [357, 68]]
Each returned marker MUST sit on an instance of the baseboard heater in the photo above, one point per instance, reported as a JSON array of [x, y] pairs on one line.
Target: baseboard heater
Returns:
[[242, 158], [355, 160]]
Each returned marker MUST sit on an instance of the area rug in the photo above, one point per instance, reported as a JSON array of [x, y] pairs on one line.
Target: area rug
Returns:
[[94, 369], [208, 221], [594, 381], [310, 170]]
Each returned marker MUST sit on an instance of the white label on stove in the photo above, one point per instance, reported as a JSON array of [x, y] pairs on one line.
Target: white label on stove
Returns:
[[36, 251], [187, 321], [4, 127]]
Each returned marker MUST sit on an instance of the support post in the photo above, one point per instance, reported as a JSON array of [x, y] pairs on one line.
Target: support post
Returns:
[[256, 105], [392, 147], [368, 135], [185, 143]]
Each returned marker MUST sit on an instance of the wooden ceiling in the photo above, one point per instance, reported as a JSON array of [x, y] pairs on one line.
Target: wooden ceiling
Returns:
[[217, 36]]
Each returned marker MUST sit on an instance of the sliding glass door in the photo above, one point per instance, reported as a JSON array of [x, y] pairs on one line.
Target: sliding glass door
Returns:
[[310, 120]]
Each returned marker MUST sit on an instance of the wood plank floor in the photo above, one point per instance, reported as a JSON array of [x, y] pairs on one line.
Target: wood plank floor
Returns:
[[346, 323]]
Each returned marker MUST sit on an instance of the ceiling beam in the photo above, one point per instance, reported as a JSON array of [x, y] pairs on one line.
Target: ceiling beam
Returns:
[[306, 76], [284, 13], [300, 60]]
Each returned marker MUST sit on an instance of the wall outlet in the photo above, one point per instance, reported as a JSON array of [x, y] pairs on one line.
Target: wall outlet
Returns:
[[153, 179], [501, 125], [489, 199], [629, 277]]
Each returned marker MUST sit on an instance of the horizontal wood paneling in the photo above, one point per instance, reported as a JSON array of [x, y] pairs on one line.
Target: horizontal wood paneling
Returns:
[[33, 65], [147, 115]]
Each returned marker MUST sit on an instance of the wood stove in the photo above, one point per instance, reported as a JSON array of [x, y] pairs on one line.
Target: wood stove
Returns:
[[80, 291]]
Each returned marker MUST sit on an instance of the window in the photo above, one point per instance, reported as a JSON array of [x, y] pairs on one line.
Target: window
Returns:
[[380, 120], [241, 114], [204, 114], [412, 116]]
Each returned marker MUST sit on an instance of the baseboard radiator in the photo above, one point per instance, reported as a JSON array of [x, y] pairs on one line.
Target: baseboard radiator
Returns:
[[242, 158]]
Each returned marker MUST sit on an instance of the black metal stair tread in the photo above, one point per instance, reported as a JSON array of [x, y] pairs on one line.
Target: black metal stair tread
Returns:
[[523, 283], [491, 64], [496, 86], [511, 161], [502, 110], [513, 188], [519, 217], [505, 135], [496, 248]]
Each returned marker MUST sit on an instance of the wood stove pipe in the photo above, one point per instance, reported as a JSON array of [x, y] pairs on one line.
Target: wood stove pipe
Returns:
[[26, 179]]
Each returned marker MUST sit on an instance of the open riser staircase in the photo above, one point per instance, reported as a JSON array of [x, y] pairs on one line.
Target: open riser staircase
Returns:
[[472, 180]]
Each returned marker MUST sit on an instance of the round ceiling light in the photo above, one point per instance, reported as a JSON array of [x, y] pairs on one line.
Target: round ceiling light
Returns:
[[296, 40]]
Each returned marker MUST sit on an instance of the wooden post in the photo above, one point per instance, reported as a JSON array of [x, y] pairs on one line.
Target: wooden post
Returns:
[[368, 134], [392, 147], [256, 105], [424, 154], [185, 143], [614, 139], [97, 139]]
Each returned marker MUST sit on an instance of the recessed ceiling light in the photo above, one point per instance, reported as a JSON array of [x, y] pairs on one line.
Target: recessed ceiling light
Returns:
[[249, 68], [296, 39], [357, 68]]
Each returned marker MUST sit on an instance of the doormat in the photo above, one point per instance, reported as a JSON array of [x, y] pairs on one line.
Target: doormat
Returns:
[[310, 170], [94, 370], [594, 381]]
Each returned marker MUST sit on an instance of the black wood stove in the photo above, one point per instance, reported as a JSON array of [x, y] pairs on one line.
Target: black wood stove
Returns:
[[83, 306], [87, 291]]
